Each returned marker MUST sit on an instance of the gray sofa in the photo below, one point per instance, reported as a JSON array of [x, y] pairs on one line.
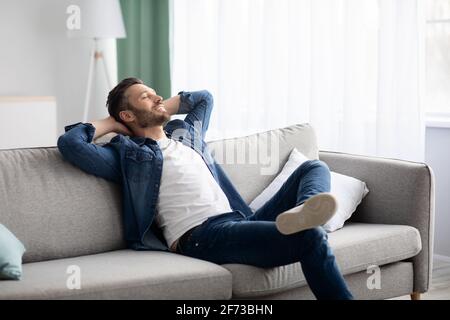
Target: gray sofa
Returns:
[[65, 217]]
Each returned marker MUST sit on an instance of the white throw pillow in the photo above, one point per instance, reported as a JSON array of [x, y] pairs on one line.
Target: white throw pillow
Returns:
[[348, 191]]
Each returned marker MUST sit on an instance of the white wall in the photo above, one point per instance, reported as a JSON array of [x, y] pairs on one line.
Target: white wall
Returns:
[[437, 155], [37, 58]]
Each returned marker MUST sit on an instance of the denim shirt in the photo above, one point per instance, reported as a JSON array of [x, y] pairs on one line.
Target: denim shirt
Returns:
[[136, 164]]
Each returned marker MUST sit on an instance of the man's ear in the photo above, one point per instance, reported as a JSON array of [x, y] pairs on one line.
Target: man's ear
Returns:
[[126, 116]]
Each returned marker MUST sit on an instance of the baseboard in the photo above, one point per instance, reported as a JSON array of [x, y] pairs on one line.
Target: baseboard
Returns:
[[441, 257]]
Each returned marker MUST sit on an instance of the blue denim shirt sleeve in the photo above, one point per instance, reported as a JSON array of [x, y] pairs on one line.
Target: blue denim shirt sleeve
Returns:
[[198, 105], [76, 147]]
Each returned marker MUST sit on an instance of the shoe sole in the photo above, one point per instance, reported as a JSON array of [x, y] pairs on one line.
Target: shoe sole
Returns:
[[315, 212]]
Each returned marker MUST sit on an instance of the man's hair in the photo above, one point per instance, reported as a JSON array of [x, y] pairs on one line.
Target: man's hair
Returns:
[[117, 101]]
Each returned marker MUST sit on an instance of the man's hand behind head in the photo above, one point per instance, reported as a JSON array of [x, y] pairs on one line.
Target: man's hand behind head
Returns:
[[120, 128], [109, 125]]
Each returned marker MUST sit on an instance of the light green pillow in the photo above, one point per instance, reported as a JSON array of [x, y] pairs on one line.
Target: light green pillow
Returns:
[[11, 252]]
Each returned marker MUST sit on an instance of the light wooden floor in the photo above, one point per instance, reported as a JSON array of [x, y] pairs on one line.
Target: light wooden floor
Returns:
[[440, 283]]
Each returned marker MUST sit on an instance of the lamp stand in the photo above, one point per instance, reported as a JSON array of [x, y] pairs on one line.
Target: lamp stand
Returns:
[[96, 55]]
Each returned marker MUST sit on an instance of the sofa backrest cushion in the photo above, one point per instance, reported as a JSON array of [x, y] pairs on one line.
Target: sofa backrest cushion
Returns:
[[253, 162], [55, 209]]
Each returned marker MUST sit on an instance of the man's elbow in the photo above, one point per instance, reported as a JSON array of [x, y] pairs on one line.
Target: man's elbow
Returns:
[[208, 97], [65, 143], [61, 142]]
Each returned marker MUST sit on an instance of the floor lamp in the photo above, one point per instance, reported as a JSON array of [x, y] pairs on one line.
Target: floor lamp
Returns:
[[99, 19]]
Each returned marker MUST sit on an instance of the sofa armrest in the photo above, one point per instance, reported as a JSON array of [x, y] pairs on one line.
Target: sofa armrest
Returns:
[[401, 192]]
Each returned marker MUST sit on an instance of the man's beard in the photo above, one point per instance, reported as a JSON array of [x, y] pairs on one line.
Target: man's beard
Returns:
[[145, 119]]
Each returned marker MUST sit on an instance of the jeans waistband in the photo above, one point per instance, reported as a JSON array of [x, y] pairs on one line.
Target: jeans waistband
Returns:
[[185, 237], [188, 233]]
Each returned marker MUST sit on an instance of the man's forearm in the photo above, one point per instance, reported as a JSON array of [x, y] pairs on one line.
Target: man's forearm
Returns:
[[102, 127], [172, 105]]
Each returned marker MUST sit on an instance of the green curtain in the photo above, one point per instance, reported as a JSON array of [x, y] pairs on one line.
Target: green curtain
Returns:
[[144, 53]]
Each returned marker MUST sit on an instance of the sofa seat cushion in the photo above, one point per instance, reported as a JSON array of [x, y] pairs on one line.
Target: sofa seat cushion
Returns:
[[356, 247], [123, 274]]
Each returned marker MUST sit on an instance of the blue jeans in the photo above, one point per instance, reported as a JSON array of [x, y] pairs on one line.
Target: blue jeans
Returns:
[[255, 240]]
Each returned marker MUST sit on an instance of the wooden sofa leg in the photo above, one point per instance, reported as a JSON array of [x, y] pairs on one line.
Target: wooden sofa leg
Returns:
[[415, 296]]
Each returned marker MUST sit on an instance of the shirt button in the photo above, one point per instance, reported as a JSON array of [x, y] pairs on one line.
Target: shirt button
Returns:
[[196, 244]]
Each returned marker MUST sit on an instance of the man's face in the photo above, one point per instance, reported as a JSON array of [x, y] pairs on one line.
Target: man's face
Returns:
[[146, 106]]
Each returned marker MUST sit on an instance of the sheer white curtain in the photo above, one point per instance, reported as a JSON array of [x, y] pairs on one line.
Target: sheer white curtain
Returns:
[[351, 68]]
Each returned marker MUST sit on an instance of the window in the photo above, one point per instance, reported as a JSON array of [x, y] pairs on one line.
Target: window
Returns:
[[438, 58]]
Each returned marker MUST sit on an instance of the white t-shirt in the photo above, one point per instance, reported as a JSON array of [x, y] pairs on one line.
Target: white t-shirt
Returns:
[[188, 193]]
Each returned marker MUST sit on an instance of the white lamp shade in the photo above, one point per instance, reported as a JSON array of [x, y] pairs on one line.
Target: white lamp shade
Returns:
[[99, 19]]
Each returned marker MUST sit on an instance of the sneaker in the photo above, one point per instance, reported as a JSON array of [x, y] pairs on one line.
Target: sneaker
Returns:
[[314, 212]]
